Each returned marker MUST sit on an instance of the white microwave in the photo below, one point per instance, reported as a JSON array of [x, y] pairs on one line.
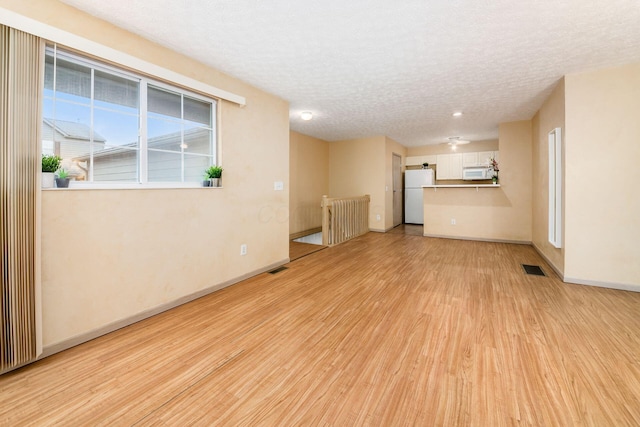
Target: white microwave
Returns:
[[477, 173]]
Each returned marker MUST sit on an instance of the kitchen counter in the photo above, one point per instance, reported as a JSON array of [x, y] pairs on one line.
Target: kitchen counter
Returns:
[[476, 186]]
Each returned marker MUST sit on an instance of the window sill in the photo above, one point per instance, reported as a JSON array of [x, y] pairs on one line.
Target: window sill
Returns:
[[130, 186]]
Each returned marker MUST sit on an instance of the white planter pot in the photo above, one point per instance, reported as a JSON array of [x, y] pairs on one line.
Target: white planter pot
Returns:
[[47, 179]]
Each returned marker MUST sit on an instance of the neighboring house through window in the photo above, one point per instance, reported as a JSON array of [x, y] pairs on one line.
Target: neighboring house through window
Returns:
[[110, 125]]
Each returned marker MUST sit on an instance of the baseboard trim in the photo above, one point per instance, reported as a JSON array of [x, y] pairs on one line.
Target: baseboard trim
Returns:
[[596, 283], [608, 285], [300, 234], [88, 336], [381, 230], [548, 261], [478, 239]]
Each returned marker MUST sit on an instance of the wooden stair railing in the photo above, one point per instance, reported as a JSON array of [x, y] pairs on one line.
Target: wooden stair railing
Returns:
[[344, 218]]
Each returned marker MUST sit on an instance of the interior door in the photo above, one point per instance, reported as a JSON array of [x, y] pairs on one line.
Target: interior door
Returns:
[[398, 196]]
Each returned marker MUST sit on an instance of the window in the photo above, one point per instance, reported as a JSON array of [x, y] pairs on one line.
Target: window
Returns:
[[112, 126], [555, 187]]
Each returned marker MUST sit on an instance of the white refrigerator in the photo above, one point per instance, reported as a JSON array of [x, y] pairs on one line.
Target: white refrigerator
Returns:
[[413, 205]]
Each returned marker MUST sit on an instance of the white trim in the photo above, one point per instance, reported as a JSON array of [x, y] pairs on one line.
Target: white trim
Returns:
[[548, 261], [478, 239], [143, 154], [609, 285], [92, 114], [618, 286], [74, 41], [555, 187]]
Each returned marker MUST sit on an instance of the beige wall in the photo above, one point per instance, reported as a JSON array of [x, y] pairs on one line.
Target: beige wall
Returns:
[[602, 146], [502, 213], [110, 255], [391, 147], [427, 150], [550, 116], [357, 167], [309, 177]]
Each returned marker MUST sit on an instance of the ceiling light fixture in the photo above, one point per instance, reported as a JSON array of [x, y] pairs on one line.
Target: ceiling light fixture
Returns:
[[457, 114], [454, 141], [306, 115]]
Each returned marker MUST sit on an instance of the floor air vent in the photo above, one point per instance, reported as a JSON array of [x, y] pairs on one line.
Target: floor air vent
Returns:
[[533, 269], [277, 270]]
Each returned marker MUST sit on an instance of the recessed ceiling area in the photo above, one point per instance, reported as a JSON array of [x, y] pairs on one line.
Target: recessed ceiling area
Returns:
[[400, 69]]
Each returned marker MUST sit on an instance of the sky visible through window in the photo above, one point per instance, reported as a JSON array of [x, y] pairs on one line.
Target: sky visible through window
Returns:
[[117, 124]]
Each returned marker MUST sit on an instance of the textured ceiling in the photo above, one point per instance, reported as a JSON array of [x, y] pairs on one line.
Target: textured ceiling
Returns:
[[394, 68]]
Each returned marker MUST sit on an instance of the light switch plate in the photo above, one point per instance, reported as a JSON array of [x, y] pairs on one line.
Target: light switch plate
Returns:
[[278, 185]]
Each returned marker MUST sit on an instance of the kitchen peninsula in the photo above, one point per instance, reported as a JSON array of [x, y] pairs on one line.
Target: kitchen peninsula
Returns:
[[476, 186], [474, 211], [478, 210]]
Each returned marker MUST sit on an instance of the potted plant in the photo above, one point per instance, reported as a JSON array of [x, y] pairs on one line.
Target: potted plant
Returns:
[[50, 164], [215, 175], [494, 165], [62, 181], [206, 181]]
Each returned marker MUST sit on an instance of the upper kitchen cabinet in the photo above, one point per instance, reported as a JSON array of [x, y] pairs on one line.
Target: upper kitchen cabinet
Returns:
[[456, 166], [432, 160], [420, 160], [482, 158], [469, 159], [449, 166]]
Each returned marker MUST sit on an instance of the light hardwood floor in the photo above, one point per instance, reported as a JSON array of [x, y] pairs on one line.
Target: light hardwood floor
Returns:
[[387, 329], [298, 250]]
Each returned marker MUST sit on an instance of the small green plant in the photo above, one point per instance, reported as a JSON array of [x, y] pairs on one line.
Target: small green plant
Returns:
[[214, 172], [50, 163], [62, 174]]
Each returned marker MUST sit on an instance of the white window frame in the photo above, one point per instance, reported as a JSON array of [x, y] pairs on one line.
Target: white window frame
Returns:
[[142, 150]]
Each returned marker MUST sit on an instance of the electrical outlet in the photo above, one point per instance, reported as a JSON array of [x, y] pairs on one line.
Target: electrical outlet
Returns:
[[278, 185], [453, 221], [243, 249], [378, 217]]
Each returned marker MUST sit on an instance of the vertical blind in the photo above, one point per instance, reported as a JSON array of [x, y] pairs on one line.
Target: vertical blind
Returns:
[[21, 62]]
